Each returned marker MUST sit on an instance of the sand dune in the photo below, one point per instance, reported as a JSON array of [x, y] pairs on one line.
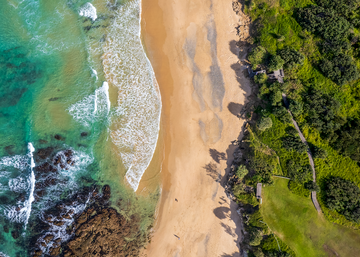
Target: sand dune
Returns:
[[191, 45]]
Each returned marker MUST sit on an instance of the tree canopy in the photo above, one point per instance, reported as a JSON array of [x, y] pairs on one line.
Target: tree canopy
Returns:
[[343, 196]]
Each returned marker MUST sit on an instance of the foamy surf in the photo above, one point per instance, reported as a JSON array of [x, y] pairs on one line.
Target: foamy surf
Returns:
[[92, 108], [88, 10], [127, 67]]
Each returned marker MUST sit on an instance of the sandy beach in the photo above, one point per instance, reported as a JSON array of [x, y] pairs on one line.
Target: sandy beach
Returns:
[[191, 45]]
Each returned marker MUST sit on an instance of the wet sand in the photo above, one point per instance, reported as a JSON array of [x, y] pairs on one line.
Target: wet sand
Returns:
[[191, 45]]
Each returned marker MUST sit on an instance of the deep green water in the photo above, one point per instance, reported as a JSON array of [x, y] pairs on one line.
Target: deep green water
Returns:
[[72, 82]]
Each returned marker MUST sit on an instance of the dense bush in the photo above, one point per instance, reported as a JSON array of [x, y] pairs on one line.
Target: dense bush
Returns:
[[347, 140], [312, 186], [293, 143], [275, 63], [343, 196], [298, 189], [257, 56], [318, 152], [282, 114], [291, 57], [255, 237], [241, 172], [298, 173], [324, 22], [263, 169], [343, 8], [264, 123], [340, 69], [260, 78], [296, 107], [322, 112]]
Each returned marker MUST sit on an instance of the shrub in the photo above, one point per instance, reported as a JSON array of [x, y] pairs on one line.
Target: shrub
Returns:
[[257, 56], [255, 237], [264, 123], [258, 252], [343, 196], [238, 189], [341, 69], [296, 107], [312, 186], [297, 172], [260, 78], [241, 172], [275, 63], [291, 57], [276, 98], [282, 114], [294, 143], [318, 152], [298, 189]]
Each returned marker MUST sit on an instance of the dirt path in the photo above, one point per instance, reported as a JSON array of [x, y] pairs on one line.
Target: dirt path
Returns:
[[311, 160]]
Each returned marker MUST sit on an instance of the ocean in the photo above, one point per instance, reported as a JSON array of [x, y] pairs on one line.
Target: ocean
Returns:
[[79, 108]]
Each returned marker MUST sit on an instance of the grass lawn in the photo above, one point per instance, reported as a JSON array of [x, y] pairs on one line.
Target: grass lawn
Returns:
[[294, 219]]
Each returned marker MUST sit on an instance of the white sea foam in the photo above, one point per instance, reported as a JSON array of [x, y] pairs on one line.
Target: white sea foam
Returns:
[[139, 106], [88, 10], [3, 254], [94, 74], [18, 184], [92, 108], [32, 183]]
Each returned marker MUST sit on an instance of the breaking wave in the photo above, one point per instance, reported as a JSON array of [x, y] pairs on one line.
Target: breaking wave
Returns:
[[138, 110]]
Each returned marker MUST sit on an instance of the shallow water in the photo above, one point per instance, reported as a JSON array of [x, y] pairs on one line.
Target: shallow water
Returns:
[[76, 82]]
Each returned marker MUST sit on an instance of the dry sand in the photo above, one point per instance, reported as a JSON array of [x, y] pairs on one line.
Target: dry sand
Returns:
[[191, 44]]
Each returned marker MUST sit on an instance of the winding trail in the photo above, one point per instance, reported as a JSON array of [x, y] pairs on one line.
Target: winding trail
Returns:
[[311, 160]]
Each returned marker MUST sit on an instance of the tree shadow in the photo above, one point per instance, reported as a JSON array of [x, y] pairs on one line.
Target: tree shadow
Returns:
[[228, 229], [221, 212], [216, 155], [231, 255], [235, 108], [211, 170]]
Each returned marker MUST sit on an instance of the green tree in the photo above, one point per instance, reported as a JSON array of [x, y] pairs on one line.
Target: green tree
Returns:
[[291, 57], [255, 237], [297, 172], [275, 63], [340, 69], [318, 152], [343, 196], [258, 252], [264, 123], [294, 143], [282, 114], [241, 172], [312, 186], [260, 78], [257, 56], [296, 107]]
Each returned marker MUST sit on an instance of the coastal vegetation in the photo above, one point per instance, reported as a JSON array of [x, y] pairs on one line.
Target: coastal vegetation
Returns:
[[316, 43]]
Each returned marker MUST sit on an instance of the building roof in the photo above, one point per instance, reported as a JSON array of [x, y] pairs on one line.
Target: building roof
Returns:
[[258, 190]]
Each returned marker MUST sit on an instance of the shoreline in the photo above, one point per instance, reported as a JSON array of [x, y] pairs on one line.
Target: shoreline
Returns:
[[190, 46]]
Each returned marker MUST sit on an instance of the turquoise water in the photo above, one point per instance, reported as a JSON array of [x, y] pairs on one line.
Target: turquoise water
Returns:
[[77, 92]]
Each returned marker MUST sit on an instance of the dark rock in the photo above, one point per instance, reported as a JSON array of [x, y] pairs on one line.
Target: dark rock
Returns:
[[6, 229], [54, 99], [43, 153], [15, 234], [58, 137], [10, 149], [106, 191], [84, 134], [48, 238], [59, 223], [41, 141]]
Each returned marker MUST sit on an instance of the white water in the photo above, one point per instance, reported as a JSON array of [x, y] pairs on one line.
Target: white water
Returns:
[[88, 10], [137, 114], [32, 183], [92, 108]]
